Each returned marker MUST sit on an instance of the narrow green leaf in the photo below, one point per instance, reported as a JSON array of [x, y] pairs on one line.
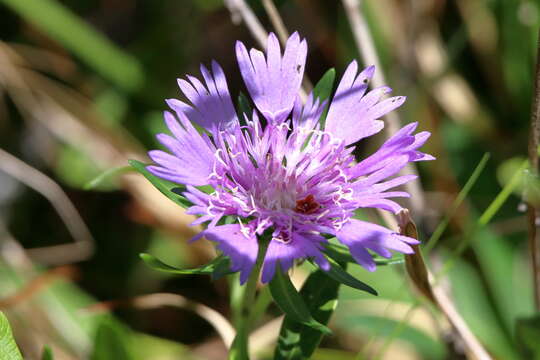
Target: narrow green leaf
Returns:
[[338, 253], [207, 269], [160, 184], [337, 273], [291, 303], [222, 268], [106, 176], [341, 254], [457, 202], [78, 36], [8, 347], [323, 90], [244, 107], [297, 341], [47, 353], [505, 193]]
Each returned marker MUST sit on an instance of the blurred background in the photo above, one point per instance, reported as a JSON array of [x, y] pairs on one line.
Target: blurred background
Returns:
[[82, 89]]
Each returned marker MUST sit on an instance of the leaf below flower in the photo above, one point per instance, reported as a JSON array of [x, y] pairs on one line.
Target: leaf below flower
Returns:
[[160, 184], [211, 268], [291, 303]]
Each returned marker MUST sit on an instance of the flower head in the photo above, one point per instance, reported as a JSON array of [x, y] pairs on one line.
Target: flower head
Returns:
[[278, 170]]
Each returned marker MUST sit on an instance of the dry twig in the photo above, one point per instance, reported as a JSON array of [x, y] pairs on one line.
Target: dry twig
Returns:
[[240, 10], [532, 211], [367, 51], [36, 285], [83, 247], [151, 301], [423, 280], [276, 20]]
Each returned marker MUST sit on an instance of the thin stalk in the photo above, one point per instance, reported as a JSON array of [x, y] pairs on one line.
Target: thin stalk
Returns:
[[455, 204], [532, 211], [264, 299], [240, 347]]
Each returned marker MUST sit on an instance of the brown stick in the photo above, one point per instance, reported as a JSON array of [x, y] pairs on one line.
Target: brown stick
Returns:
[[532, 210], [423, 281], [151, 301], [37, 284], [366, 48], [83, 247]]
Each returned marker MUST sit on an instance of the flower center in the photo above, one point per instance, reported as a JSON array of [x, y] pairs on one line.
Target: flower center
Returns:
[[307, 205]]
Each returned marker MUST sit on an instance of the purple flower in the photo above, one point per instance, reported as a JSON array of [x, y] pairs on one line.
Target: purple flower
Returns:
[[283, 172]]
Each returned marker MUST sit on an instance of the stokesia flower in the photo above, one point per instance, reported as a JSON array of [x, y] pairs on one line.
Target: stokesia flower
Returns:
[[278, 169]]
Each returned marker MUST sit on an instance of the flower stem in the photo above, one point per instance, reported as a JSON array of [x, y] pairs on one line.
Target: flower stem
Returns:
[[239, 348]]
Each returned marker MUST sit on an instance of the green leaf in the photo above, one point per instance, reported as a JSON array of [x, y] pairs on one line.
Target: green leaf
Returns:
[[337, 273], [501, 198], [291, 303], [47, 353], [244, 107], [342, 255], [443, 224], [323, 90], [8, 347], [527, 335], [106, 176], [75, 167], [160, 184], [112, 342], [297, 341], [78, 36], [208, 269], [222, 268]]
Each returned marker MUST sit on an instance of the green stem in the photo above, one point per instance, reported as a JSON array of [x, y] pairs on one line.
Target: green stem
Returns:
[[246, 297], [264, 299]]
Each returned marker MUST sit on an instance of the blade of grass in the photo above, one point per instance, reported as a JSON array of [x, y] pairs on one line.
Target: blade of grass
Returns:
[[106, 175], [435, 237], [501, 198]]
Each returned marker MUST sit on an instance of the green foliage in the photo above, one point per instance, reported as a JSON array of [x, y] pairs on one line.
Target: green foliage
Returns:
[[106, 176], [217, 267], [505, 193], [296, 340], [291, 302], [163, 186], [434, 239], [337, 273], [75, 167], [323, 90], [340, 253], [8, 347], [244, 107]]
